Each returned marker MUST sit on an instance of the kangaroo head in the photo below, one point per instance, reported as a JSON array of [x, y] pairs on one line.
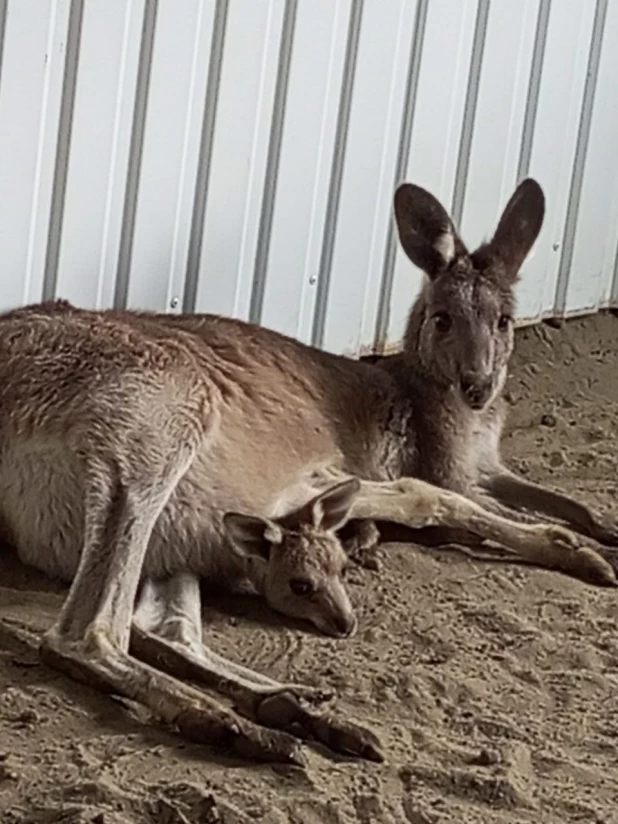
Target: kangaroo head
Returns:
[[298, 561], [460, 331]]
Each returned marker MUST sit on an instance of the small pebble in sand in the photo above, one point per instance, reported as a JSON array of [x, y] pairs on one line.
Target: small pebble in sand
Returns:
[[29, 717], [6, 773], [557, 458], [485, 758]]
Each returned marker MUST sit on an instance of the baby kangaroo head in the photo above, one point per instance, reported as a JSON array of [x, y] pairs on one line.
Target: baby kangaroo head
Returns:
[[299, 561], [461, 328]]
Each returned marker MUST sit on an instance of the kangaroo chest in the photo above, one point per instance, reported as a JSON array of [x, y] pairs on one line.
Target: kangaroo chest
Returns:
[[450, 447]]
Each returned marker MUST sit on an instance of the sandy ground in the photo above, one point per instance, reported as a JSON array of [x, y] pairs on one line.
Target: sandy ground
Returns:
[[493, 688]]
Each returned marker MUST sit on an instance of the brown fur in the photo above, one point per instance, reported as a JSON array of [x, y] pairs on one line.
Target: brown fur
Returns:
[[125, 437]]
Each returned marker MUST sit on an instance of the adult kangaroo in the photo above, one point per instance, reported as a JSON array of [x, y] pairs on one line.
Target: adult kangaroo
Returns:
[[125, 437], [456, 351]]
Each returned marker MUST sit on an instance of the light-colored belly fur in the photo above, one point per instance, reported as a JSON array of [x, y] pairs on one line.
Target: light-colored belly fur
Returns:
[[42, 505], [42, 491]]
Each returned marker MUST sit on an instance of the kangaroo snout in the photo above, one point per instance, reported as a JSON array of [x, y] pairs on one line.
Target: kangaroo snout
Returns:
[[476, 389], [345, 625]]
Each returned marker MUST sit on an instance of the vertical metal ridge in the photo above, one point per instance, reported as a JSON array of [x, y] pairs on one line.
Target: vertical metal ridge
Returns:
[[579, 162], [405, 139], [469, 118], [272, 162], [613, 294], [135, 153], [63, 145], [3, 8], [334, 187], [215, 63], [532, 101]]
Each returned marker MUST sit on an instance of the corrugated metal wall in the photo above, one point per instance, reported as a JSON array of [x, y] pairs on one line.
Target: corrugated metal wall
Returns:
[[239, 156]]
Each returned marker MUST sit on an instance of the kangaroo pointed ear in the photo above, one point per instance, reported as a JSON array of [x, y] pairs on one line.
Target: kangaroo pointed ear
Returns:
[[251, 536], [330, 509], [426, 232], [517, 230]]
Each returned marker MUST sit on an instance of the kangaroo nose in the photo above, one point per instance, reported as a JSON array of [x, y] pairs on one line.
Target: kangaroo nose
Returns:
[[345, 625], [476, 389]]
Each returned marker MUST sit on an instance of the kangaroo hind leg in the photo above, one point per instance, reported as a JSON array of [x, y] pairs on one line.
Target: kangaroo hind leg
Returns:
[[90, 641], [167, 634]]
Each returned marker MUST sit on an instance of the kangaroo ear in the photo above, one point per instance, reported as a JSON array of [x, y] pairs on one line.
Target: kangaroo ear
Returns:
[[517, 230], [426, 232], [251, 536], [330, 509]]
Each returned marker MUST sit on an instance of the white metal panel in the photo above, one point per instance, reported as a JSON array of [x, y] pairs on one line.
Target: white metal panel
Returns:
[[369, 171], [30, 92], [596, 231], [501, 106], [306, 155], [100, 140], [238, 187], [170, 153], [239, 156], [436, 132], [553, 146]]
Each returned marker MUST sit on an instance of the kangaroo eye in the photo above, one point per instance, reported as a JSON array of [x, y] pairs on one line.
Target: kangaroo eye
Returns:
[[442, 321], [301, 587], [504, 321]]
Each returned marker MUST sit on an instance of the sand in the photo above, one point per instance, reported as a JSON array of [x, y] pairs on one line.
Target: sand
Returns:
[[494, 688]]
